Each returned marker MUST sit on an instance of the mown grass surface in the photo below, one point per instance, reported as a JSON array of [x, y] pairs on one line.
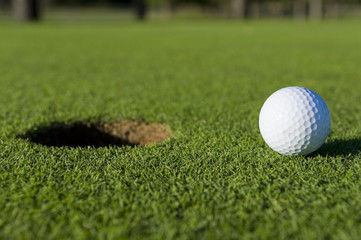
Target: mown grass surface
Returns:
[[207, 80]]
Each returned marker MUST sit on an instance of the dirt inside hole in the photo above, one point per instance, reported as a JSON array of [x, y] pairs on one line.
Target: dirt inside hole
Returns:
[[82, 134]]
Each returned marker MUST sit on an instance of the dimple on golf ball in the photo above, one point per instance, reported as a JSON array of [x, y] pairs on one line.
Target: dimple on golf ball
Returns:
[[295, 121]]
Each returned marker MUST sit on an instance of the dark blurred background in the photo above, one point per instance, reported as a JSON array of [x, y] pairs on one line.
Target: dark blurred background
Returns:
[[35, 10]]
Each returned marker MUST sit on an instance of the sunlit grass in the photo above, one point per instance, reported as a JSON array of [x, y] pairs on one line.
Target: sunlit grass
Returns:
[[207, 81]]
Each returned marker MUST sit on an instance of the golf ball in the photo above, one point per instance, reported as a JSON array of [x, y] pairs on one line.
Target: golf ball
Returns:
[[294, 121]]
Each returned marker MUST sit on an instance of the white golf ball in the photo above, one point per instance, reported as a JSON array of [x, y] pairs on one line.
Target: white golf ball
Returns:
[[294, 121]]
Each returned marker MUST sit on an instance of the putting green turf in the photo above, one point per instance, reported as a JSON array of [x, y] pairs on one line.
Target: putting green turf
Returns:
[[206, 80]]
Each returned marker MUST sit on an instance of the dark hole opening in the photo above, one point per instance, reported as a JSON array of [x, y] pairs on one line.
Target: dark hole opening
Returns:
[[82, 134]]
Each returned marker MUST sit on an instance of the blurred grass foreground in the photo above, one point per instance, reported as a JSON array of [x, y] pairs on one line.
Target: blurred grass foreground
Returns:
[[28, 10]]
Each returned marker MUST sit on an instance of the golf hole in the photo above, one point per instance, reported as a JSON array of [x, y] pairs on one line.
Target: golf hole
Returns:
[[82, 134]]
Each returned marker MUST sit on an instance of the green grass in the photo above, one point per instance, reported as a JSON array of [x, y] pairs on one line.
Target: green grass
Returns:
[[206, 80]]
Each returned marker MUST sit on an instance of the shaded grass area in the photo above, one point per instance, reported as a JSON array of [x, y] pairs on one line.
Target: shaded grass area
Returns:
[[341, 147], [207, 81]]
